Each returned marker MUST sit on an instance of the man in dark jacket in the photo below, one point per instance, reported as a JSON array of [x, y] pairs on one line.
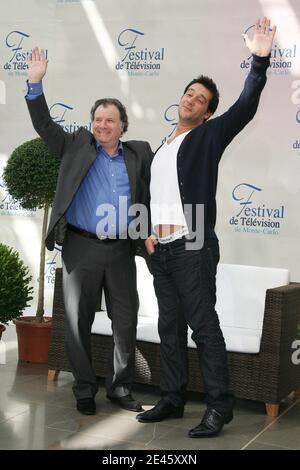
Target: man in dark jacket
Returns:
[[184, 272], [98, 175]]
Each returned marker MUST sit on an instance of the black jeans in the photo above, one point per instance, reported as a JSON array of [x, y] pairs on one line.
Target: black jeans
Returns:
[[185, 286]]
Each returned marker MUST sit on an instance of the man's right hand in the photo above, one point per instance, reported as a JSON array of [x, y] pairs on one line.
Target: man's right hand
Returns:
[[37, 67]]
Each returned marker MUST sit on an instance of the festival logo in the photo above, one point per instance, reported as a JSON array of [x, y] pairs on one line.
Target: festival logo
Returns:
[[137, 59], [59, 113], [295, 98], [253, 217], [171, 118], [17, 65], [50, 267], [9, 206]]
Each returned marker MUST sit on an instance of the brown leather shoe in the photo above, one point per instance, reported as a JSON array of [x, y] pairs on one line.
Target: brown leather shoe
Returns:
[[127, 402], [211, 424]]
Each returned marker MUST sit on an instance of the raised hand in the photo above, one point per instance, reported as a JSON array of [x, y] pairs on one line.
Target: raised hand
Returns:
[[37, 67], [261, 43]]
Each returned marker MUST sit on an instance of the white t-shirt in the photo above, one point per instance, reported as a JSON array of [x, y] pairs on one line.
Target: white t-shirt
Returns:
[[165, 204]]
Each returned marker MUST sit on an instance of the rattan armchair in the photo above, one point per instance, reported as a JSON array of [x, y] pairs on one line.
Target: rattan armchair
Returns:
[[267, 377]]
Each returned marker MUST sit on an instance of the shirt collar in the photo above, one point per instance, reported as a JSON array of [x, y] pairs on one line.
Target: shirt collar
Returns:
[[120, 148]]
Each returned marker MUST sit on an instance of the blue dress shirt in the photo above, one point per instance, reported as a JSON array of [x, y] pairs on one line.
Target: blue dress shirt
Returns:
[[103, 197]]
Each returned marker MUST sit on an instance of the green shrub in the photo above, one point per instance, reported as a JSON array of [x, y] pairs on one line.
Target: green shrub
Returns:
[[30, 177], [31, 174], [15, 292]]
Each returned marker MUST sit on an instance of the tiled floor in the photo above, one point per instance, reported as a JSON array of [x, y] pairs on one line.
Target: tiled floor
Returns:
[[37, 414]]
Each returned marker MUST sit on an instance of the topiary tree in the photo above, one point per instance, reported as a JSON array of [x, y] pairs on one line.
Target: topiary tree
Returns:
[[30, 176], [15, 292]]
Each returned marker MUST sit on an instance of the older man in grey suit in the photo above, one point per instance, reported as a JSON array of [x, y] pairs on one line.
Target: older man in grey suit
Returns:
[[97, 171]]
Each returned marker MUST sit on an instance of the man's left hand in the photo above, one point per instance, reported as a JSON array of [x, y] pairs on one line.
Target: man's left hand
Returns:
[[261, 43]]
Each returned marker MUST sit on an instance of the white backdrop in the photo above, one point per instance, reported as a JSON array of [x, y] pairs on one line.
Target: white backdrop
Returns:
[[144, 53]]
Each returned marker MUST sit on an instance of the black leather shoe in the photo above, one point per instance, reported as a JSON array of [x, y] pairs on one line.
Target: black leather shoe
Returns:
[[162, 410], [127, 403], [211, 424], [86, 406]]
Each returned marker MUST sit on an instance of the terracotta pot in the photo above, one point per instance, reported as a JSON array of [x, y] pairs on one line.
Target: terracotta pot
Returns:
[[33, 339], [2, 329]]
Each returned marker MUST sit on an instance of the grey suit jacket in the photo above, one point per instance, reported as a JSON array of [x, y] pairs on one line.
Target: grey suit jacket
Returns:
[[77, 152]]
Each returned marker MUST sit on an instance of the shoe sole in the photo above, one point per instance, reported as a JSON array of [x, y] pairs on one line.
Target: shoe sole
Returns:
[[130, 409], [173, 416], [116, 402], [87, 412]]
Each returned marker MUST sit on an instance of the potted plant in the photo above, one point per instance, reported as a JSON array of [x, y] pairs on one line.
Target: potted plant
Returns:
[[30, 177], [15, 289]]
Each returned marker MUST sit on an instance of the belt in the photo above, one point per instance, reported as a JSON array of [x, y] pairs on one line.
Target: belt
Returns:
[[86, 234], [173, 244]]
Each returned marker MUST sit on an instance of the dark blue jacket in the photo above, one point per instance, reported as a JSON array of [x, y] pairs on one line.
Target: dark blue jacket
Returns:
[[200, 152]]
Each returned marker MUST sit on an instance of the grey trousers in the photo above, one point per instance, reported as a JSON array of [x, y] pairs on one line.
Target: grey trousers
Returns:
[[89, 266]]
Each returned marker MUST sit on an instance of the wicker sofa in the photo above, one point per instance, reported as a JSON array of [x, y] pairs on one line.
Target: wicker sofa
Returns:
[[267, 376]]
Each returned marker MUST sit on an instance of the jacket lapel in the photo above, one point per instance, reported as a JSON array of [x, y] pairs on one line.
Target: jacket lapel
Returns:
[[130, 162], [86, 162]]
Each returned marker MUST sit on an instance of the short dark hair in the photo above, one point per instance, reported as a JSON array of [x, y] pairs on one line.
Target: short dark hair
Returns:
[[211, 86], [108, 101]]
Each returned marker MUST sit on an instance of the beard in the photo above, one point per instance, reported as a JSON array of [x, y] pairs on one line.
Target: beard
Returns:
[[189, 120]]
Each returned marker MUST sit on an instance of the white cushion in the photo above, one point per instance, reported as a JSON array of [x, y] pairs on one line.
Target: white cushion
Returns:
[[236, 339], [102, 324], [241, 292], [147, 297], [147, 330], [242, 340]]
